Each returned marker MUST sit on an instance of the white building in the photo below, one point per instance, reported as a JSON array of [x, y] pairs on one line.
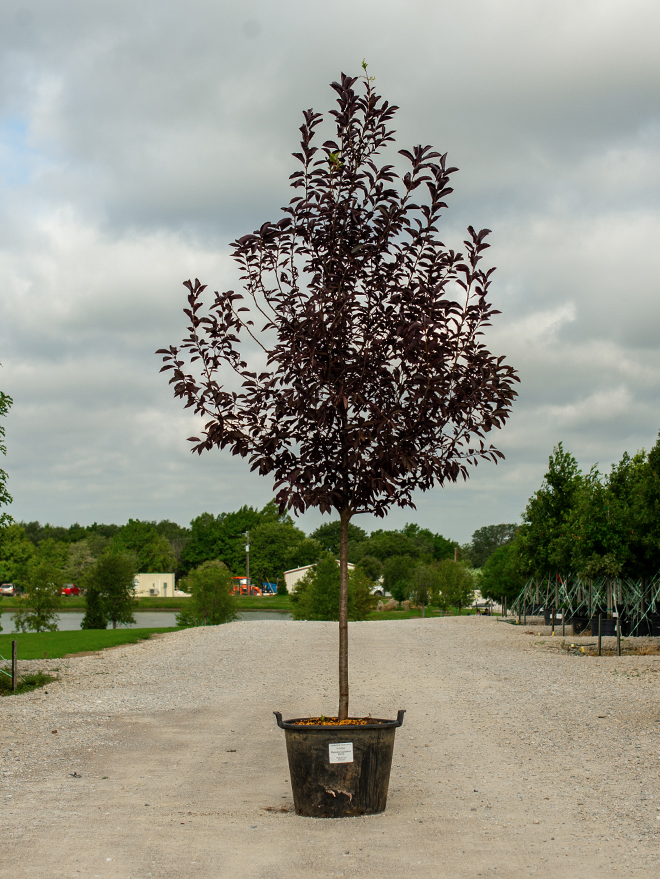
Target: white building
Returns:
[[291, 577], [157, 585]]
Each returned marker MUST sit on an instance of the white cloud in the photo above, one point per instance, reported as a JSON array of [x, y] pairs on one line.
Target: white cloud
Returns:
[[136, 141]]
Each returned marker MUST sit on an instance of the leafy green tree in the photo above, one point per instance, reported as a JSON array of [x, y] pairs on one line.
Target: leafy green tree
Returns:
[[426, 584], [153, 552], [5, 497], [328, 536], [456, 585], [211, 603], [15, 554], [317, 593], [487, 539], [42, 598], [277, 546], [398, 574], [372, 567], [222, 537], [546, 542], [500, 575], [111, 590]]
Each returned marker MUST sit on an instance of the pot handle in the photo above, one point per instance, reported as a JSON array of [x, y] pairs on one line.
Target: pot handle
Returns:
[[399, 717], [279, 719]]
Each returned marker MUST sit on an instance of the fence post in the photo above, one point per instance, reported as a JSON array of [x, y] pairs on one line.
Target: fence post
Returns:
[[618, 635], [600, 637], [14, 666], [563, 620], [552, 618]]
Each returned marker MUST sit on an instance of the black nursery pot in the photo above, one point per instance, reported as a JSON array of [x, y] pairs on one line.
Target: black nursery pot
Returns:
[[339, 771]]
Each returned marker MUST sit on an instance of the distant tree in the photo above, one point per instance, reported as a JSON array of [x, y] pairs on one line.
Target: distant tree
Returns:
[[426, 584], [317, 593], [545, 539], [211, 603], [15, 554], [152, 551], [277, 546], [328, 535], [372, 567], [398, 571], [456, 584], [5, 497], [96, 616], [487, 539], [222, 537], [111, 590], [42, 598], [372, 381], [501, 576]]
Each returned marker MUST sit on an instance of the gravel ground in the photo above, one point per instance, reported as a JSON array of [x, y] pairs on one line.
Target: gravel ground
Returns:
[[515, 759]]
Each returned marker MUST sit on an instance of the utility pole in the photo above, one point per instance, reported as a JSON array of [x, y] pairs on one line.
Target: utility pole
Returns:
[[247, 561]]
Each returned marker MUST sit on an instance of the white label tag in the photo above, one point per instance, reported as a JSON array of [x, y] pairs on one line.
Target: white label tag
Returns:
[[341, 752]]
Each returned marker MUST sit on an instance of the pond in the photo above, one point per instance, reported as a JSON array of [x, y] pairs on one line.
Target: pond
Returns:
[[69, 621]]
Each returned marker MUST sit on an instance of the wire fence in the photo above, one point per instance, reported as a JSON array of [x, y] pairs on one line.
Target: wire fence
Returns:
[[635, 603]]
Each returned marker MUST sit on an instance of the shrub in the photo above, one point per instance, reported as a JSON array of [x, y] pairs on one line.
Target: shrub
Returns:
[[211, 603]]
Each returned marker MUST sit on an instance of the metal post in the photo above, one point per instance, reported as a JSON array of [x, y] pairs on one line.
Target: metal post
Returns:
[[591, 597], [618, 635], [600, 635], [563, 620], [552, 618], [14, 666], [505, 605], [247, 562]]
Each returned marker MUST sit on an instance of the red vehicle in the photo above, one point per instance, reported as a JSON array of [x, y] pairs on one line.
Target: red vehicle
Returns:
[[70, 589]]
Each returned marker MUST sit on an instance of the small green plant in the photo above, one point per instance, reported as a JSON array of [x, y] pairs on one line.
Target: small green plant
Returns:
[[24, 684]]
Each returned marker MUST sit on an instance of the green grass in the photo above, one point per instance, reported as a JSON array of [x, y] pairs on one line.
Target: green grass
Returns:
[[25, 683], [58, 644], [262, 602]]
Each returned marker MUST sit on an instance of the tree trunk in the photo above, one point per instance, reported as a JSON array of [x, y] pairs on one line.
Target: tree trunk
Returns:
[[344, 518], [114, 624]]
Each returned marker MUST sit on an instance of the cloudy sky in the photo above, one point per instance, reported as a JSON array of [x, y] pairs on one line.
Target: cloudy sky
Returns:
[[138, 139]]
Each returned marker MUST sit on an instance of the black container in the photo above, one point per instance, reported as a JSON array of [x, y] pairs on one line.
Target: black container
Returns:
[[580, 624], [547, 616], [358, 786], [607, 627]]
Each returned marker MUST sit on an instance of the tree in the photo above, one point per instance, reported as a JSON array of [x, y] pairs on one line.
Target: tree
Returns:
[[328, 535], [456, 585], [317, 596], [398, 573], [5, 497], [500, 575], [372, 381], [152, 551], [111, 590], [486, 540], [42, 598], [372, 567], [425, 584], [222, 537], [211, 603], [15, 554], [278, 546], [546, 543]]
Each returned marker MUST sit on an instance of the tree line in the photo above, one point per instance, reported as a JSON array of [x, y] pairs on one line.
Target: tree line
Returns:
[[411, 563], [590, 524]]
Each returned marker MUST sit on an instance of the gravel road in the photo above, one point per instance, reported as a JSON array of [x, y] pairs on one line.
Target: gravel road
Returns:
[[515, 758]]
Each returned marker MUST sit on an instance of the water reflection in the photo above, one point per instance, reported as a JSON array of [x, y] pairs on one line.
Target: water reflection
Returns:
[[69, 621]]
